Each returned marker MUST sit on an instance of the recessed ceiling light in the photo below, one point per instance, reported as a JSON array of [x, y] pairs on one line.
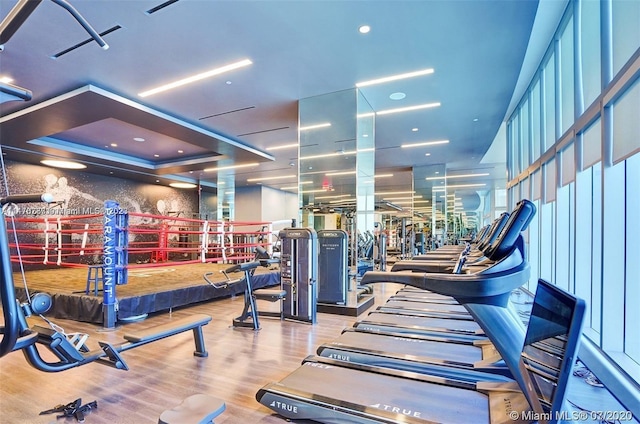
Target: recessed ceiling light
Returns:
[[408, 108], [62, 164], [364, 29], [437, 172], [190, 172], [424, 143], [475, 119], [282, 146], [395, 77], [138, 139], [313, 127], [6, 80], [279, 177], [446, 177], [414, 129], [197, 77], [331, 174], [427, 154], [465, 185], [182, 185], [224, 168], [227, 82], [397, 96], [393, 192], [156, 156], [114, 144], [180, 151]]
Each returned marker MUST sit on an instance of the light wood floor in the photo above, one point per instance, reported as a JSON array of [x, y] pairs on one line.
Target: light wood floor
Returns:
[[163, 373]]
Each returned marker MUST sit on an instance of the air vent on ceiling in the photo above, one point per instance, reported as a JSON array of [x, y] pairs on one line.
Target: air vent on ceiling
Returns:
[[87, 41], [160, 7], [263, 131], [226, 113]]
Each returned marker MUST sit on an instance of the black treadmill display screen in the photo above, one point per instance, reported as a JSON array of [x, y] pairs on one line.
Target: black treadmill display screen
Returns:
[[551, 343]]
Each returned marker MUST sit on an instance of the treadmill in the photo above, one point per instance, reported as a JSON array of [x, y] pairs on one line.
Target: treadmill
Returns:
[[505, 262], [329, 392], [450, 254], [422, 353]]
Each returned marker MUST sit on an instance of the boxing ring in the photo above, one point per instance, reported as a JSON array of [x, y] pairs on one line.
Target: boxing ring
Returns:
[[138, 263]]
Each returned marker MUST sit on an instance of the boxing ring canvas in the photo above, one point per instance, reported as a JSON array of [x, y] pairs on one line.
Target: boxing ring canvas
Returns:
[[148, 289]]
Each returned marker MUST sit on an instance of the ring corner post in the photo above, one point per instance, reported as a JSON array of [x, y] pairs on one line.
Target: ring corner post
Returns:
[[109, 264]]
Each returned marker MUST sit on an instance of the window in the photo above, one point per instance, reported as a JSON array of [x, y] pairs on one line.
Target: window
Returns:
[[625, 31], [564, 238], [590, 66], [535, 122], [549, 169], [524, 135], [626, 124], [592, 145], [568, 165], [549, 103], [566, 78], [632, 265]]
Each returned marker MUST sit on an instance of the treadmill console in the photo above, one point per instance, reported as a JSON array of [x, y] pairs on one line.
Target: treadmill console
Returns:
[[550, 349]]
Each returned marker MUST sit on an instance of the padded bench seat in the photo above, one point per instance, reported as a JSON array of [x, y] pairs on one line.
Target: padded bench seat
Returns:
[[271, 295]]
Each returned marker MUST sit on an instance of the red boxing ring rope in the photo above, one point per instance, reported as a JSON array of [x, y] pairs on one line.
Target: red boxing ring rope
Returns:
[[153, 240]]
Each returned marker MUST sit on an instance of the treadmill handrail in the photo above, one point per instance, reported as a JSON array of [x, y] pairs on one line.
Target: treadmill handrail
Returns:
[[456, 285]]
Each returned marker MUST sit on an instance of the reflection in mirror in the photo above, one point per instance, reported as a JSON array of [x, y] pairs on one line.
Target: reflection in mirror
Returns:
[[327, 158], [226, 195], [430, 183], [395, 210], [365, 184]]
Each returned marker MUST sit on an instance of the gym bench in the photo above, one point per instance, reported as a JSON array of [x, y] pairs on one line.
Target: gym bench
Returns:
[[192, 322], [71, 356]]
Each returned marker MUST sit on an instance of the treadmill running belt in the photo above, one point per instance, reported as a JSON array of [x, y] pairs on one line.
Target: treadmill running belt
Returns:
[[343, 395], [412, 348], [432, 324]]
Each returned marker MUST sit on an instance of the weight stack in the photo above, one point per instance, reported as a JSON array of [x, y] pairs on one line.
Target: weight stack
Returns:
[[299, 273]]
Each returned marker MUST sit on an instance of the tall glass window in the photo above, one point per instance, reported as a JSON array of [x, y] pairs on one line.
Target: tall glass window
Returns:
[[524, 134], [515, 150], [632, 266], [564, 236], [566, 78], [549, 103], [626, 123], [550, 180], [568, 165], [585, 235], [535, 122], [596, 250], [626, 31], [592, 144], [590, 55]]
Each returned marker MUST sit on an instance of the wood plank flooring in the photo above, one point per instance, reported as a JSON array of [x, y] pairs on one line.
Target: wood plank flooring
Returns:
[[163, 373]]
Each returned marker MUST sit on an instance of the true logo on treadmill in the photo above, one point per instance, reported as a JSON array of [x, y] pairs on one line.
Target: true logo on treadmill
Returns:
[[397, 410], [340, 357], [284, 407]]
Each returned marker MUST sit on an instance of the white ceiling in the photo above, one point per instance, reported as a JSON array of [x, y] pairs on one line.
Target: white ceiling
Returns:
[[88, 98]]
